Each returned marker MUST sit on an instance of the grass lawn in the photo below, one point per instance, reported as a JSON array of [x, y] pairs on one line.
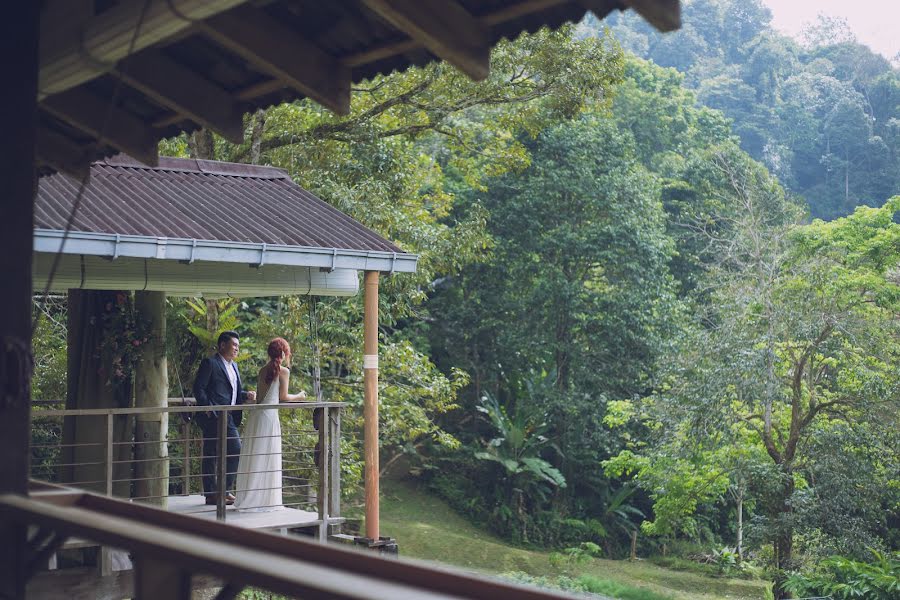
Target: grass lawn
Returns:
[[426, 528]]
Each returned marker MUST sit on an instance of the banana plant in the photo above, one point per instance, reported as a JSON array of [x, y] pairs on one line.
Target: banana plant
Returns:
[[518, 445]]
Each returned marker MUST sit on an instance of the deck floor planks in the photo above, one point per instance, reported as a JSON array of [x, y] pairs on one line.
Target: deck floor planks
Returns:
[[195, 506]]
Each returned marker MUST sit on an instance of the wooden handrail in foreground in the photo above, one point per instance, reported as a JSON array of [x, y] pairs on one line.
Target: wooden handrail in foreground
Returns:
[[168, 548]]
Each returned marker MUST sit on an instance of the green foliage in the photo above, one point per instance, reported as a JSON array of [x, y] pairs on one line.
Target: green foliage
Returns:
[[576, 300], [596, 585], [587, 584], [575, 555], [823, 117], [49, 347], [846, 579], [519, 442], [208, 319]]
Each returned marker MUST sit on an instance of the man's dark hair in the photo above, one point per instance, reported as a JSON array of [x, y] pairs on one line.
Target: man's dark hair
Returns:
[[227, 336]]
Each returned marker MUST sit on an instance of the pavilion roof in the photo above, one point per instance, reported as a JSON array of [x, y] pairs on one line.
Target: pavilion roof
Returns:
[[188, 209]]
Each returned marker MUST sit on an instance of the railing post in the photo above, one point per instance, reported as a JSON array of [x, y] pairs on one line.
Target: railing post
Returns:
[[334, 461], [109, 454], [222, 451], [186, 458], [324, 467]]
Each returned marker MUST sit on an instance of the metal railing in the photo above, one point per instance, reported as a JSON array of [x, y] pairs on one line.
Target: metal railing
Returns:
[[97, 450]]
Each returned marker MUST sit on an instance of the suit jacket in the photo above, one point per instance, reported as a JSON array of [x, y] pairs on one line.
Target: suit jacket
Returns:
[[213, 387]]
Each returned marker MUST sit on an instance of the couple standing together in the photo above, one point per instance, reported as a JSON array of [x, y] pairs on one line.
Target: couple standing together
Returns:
[[255, 465]]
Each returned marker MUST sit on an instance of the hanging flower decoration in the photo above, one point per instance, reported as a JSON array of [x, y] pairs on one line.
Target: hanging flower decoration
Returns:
[[122, 339]]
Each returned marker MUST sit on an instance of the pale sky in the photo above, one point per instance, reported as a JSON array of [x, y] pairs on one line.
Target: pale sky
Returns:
[[876, 23]]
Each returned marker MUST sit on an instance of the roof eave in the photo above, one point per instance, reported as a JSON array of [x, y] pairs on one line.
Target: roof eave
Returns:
[[134, 246]]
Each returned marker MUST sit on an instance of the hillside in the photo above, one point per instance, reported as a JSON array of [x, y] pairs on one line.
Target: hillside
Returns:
[[426, 528]]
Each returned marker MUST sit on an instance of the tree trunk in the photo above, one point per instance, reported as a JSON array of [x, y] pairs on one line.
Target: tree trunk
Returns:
[[846, 178], [740, 526], [633, 545], [92, 383], [256, 135], [212, 323], [201, 145], [151, 384], [784, 538]]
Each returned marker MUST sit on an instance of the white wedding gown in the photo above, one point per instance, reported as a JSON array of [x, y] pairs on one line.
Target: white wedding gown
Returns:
[[258, 486]]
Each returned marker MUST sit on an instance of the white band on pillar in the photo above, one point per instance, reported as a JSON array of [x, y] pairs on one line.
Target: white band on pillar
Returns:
[[370, 361]]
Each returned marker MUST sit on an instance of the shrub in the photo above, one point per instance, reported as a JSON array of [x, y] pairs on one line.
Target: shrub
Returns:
[[846, 579], [617, 590]]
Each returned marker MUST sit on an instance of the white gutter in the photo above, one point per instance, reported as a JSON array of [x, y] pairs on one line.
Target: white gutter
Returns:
[[114, 245]]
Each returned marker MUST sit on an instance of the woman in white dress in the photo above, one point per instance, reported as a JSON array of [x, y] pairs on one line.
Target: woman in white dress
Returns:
[[259, 470]]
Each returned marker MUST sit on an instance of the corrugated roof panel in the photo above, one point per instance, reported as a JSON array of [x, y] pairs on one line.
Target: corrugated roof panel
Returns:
[[203, 200]]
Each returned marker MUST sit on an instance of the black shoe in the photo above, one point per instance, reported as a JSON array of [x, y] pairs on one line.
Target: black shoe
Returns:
[[213, 499]]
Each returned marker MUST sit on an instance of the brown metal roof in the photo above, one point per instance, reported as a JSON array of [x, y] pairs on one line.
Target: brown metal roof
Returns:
[[256, 54], [201, 200]]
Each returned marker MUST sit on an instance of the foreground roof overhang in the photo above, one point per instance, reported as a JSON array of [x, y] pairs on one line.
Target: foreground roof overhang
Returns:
[[177, 65]]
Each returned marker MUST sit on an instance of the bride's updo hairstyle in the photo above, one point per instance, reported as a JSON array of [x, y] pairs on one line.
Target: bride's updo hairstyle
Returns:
[[279, 351]]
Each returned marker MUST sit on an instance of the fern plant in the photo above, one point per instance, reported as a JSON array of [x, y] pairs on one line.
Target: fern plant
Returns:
[[846, 579]]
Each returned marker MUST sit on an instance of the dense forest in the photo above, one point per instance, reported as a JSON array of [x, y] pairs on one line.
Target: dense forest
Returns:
[[658, 299], [823, 115]]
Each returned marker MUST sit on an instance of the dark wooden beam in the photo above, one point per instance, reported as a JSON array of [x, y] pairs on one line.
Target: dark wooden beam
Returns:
[[110, 125], [445, 28], [665, 15], [280, 52], [497, 17], [62, 154], [18, 102], [177, 87]]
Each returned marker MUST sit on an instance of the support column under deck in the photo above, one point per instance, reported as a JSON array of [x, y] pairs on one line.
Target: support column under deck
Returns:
[[151, 389]]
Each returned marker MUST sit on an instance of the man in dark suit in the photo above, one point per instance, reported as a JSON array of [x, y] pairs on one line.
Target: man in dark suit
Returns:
[[218, 383]]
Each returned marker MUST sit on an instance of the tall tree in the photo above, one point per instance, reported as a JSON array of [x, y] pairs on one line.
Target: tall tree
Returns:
[[802, 333]]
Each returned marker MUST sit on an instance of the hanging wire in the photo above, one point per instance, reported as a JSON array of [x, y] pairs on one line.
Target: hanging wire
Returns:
[[107, 119]]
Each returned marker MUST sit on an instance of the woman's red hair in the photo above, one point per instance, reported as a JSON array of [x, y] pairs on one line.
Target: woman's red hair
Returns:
[[279, 351]]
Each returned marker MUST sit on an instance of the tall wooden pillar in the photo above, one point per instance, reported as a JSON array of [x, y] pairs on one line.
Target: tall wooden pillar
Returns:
[[19, 49], [91, 384], [370, 401], [151, 388]]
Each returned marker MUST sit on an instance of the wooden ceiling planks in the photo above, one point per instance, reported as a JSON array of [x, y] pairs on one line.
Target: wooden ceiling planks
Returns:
[[180, 89], [445, 28], [94, 115], [278, 51]]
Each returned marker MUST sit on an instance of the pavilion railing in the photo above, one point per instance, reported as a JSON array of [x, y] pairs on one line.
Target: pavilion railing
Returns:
[[96, 450]]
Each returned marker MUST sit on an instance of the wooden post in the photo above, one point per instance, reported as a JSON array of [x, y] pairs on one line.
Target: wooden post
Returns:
[[151, 388], [370, 401], [19, 44]]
